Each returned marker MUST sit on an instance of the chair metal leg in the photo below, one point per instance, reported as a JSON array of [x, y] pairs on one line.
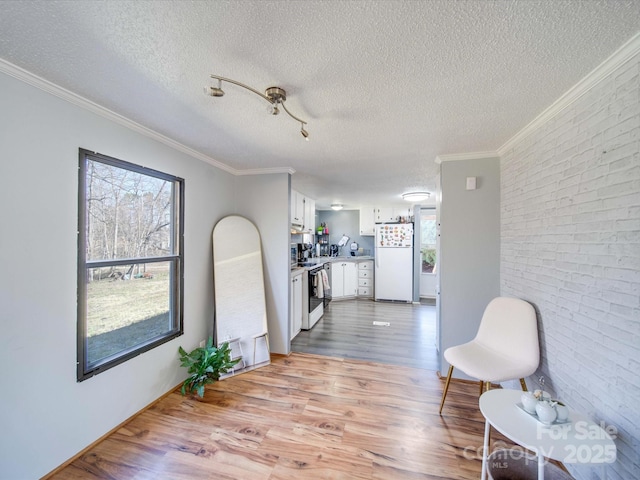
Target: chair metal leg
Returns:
[[487, 387], [446, 388], [523, 385]]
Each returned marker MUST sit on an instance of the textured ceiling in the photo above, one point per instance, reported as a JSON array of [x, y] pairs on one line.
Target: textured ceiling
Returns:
[[385, 86]]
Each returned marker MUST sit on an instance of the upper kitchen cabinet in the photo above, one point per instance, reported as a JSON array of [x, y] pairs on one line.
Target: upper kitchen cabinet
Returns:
[[384, 215], [309, 215], [367, 221], [297, 209], [404, 212], [303, 212], [392, 214]]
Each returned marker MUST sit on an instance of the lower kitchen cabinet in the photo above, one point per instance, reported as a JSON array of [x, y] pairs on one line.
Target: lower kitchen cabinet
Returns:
[[295, 297], [365, 279], [344, 279]]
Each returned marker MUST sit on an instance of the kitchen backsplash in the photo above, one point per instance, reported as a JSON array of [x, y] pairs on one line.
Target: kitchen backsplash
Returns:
[[344, 222]]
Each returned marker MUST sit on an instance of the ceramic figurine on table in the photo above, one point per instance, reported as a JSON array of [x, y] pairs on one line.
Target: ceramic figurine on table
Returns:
[[546, 412], [529, 402], [562, 411]]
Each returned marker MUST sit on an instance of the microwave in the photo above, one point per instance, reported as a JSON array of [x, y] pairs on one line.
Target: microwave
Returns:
[[294, 254]]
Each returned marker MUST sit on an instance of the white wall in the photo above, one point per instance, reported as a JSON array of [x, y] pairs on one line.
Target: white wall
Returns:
[[427, 285], [469, 250], [253, 194], [571, 246], [46, 416]]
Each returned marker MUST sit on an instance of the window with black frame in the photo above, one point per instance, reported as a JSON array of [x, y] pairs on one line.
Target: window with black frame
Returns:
[[130, 261]]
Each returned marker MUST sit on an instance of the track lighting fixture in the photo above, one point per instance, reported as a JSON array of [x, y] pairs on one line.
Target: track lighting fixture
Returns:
[[276, 97]]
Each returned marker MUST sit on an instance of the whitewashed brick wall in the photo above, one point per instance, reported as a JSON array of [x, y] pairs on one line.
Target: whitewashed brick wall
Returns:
[[570, 245]]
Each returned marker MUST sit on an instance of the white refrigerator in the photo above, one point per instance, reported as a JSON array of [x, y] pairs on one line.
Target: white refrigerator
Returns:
[[394, 262]]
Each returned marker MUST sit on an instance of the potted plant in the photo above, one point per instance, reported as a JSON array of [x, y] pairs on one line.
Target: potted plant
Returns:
[[205, 365]]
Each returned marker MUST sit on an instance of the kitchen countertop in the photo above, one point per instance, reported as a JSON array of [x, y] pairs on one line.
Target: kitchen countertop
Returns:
[[322, 260]]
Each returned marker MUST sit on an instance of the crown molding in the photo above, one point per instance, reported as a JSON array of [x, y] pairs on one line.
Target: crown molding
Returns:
[[265, 171], [75, 99], [621, 56], [465, 156]]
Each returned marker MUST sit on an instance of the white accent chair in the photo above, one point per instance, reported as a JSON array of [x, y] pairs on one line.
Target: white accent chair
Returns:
[[505, 347]]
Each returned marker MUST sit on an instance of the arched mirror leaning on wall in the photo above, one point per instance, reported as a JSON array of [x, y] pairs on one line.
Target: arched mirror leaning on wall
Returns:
[[240, 309]]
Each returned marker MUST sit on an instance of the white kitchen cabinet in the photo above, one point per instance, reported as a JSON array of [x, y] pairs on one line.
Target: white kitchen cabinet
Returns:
[[391, 214], [295, 298], [367, 221], [303, 212], [365, 278], [344, 279], [297, 209], [384, 215], [309, 215], [405, 212]]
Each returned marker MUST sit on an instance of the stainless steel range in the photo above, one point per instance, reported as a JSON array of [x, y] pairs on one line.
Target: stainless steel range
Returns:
[[316, 290]]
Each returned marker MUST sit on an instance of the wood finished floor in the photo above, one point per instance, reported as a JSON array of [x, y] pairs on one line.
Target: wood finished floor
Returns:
[[301, 417], [347, 330]]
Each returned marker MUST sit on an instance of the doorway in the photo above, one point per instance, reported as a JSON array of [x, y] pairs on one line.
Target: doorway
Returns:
[[428, 253]]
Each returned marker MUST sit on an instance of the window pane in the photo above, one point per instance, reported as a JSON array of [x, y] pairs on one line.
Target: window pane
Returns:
[[128, 213], [127, 305], [428, 234], [428, 228]]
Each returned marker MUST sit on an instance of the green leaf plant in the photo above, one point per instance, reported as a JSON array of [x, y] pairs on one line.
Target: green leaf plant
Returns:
[[205, 365]]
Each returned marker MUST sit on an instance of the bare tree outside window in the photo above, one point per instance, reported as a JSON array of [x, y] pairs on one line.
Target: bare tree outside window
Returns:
[[428, 240], [130, 261]]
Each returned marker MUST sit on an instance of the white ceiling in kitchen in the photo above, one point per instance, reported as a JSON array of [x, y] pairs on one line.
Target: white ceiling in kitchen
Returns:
[[386, 86]]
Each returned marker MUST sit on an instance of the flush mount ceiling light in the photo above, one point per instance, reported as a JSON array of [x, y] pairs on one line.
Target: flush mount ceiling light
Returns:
[[415, 196], [276, 97], [336, 206]]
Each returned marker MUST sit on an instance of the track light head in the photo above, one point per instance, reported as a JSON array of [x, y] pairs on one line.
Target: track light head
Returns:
[[304, 133], [217, 91], [273, 109]]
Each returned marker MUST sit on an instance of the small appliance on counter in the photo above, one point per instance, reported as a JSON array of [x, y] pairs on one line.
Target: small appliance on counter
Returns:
[[305, 250], [354, 249], [335, 249]]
